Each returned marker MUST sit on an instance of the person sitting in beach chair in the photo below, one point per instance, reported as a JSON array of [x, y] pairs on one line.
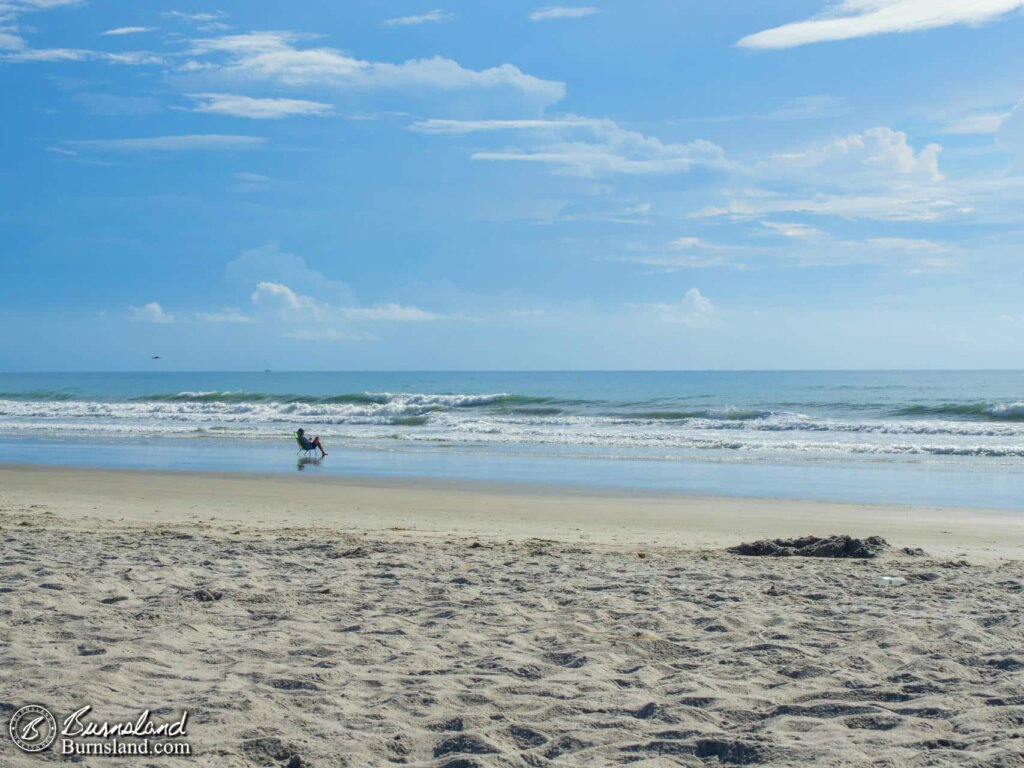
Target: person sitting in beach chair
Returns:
[[310, 445]]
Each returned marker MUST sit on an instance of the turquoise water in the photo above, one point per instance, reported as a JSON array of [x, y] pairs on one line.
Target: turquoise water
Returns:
[[909, 437]]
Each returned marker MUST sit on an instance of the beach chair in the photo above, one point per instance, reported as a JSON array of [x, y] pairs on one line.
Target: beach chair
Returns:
[[303, 450]]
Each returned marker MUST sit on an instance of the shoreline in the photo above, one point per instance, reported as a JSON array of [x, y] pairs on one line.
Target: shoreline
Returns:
[[431, 507]]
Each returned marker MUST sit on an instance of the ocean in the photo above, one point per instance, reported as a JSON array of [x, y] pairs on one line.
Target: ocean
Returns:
[[949, 438]]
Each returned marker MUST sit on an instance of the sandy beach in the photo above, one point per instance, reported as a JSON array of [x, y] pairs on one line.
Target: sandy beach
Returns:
[[307, 621]]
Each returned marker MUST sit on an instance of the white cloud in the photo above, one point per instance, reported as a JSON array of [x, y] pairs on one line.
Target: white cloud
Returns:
[[694, 310], [876, 154], [268, 263], [17, 51], [876, 174], [118, 31], [691, 243], [861, 18], [563, 12], [9, 41], [274, 57], [587, 147], [184, 143], [256, 109], [425, 18], [250, 42], [293, 305], [791, 230], [297, 308], [151, 313]]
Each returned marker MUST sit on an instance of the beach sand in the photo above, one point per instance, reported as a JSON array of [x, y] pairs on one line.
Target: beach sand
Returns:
[[307, 621]]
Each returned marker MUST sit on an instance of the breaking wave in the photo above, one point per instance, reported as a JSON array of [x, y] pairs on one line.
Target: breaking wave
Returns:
[[990, 411], [468, 419]]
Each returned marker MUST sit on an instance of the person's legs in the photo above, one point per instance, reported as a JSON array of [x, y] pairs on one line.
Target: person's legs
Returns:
[[318, 444]]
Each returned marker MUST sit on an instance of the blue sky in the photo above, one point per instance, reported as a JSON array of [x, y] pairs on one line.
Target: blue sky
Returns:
[[403, 185]]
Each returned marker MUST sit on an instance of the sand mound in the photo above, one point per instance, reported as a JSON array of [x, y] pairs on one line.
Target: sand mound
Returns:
[[814, 546]]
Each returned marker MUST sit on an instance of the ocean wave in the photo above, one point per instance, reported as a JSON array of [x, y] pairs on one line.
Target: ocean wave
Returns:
[[370, 408], [992, 411], [493, 412], [355, 398], [501, 418], [721, 414], [40, 394]]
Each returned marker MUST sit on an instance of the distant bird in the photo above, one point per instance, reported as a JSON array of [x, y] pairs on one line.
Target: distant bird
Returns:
[[155, 357]]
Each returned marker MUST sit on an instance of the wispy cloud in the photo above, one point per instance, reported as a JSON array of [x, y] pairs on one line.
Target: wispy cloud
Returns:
[[11, 9], [29, 55], [227, 315], [184, 143], [151, 313], [392, 313], [254, 108], [979, 123], [119, 31], [803, 249], [686, 253], [23, 55], [862, 18], [424, 18], [277, 58], [205, 21], [251, 182], [460, 127], [587, 147], [897, 205], [551, 12]]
